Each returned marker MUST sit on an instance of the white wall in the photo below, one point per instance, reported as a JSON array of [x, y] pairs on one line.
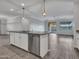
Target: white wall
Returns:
[[17, 24], [76, 14], [37, 27], [3, 26]]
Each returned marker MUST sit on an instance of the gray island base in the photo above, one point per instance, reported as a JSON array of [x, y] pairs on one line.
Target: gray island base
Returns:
[[33, 42]]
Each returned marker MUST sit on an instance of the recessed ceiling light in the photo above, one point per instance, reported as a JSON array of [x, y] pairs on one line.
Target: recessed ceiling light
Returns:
[[11, 9], [22, 4]]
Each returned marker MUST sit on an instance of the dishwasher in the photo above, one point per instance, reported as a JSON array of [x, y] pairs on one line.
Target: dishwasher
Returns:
[[34, 44]]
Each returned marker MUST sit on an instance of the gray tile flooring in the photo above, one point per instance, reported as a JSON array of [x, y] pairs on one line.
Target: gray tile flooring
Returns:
[[60, 48]]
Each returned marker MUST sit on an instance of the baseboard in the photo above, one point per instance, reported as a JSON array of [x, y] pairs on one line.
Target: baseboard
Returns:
[[4, 34]]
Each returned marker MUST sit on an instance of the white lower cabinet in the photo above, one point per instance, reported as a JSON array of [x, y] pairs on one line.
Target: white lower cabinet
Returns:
[[76, 41], [12, 38], [43, 45], [19, 40], [24, 41]]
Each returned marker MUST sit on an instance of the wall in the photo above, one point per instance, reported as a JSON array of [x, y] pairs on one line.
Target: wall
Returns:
[[14, 24], [17, 24], [3, 26], [76, 14], [37, 27]]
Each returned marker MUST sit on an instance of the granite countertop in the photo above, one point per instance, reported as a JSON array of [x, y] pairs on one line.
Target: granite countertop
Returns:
[[30, 32], [19, 31]]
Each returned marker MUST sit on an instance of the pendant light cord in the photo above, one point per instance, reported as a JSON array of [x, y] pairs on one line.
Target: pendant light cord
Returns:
[[44, 8], [23, 11], [44, 5]]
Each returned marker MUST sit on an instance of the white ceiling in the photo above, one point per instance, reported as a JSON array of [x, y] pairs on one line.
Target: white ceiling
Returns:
[[34, 8]]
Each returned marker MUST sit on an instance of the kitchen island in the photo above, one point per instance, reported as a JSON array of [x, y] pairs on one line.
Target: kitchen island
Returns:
[[33, 42]]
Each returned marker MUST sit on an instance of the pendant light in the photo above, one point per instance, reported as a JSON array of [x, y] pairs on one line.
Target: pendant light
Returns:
[[44, 10], [23, 9]]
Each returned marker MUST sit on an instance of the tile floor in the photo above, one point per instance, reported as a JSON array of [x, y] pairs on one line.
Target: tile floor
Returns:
[[60, 48]]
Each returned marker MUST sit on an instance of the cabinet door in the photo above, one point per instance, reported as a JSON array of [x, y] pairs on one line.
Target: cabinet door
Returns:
[[24, 41], [17, 39], [43, 45], [77, 43], [12, 37], [34, 44]]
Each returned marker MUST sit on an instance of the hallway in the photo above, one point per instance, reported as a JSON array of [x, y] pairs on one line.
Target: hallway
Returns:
[[60, 49]]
